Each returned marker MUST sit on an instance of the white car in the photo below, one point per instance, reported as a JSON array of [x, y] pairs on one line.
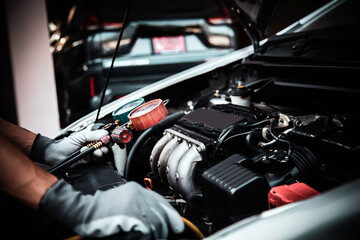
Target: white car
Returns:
[[262, 143]]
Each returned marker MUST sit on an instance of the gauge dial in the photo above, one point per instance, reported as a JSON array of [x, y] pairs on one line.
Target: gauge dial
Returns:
[[148, 114], [122, 112]]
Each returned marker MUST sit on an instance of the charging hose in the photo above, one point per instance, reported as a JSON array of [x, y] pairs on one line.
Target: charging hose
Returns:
[[77, 155], [193, 228], [166, 122]]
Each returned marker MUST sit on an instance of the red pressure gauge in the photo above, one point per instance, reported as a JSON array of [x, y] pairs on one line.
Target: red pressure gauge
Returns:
[[148, 114]]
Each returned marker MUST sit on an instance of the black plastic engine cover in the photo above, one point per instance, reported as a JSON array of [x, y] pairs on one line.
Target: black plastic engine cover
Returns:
[[232, 191], [208, 122], [89, 178]]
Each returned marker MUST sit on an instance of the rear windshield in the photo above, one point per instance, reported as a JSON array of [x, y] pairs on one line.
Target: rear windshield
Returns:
[[112, 10]]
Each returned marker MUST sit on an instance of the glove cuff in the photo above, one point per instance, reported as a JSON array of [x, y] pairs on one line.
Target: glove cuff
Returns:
[[63, 204], [38, 148]]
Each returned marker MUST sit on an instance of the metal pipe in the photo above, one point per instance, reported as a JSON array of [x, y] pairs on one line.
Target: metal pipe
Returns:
[[155, 153], [164, 157], [173, 163], [185, 174]]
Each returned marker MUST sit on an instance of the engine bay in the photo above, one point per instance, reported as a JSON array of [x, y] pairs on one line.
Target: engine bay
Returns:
[[219, 163], [242, 139]]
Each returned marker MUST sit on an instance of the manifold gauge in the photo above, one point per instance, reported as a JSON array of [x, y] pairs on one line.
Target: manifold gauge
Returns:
[[148, 114]]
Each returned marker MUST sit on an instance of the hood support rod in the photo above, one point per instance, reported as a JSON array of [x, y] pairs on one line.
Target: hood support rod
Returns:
[[248, 26]]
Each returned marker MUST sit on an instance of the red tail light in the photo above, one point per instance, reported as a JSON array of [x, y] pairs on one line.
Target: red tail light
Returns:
[[92, 86], [219, 20], [93, 23]]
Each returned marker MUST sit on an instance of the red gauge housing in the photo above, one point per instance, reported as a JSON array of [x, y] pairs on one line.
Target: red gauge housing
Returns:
[[148, 114], [121, 135]]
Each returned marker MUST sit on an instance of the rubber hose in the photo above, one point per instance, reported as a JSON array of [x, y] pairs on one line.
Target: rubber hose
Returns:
[[250, 139], [165, 123]]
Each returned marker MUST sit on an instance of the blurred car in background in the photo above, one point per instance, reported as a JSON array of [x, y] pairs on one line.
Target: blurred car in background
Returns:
[[160, 39]]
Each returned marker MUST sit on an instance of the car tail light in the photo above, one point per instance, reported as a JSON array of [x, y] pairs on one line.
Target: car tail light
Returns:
[[112, 25], [92, 86], [219, 41], [219, 20], [93, 23], [105, 25]]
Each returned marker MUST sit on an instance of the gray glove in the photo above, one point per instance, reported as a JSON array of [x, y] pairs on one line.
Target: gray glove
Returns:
[[52, 152], [126, 208]]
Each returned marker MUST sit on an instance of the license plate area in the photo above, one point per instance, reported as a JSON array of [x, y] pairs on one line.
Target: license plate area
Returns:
[[166, 45]]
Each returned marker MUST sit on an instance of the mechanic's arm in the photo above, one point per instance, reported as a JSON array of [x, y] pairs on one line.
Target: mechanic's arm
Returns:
[[126, 208], [20, 177], [20, 137], [50, 151]]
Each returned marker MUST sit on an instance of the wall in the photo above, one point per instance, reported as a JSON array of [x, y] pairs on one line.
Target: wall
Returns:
[[32, 66]]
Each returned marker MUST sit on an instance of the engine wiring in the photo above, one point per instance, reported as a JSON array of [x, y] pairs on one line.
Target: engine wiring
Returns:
[[279, 138], [224, 134]]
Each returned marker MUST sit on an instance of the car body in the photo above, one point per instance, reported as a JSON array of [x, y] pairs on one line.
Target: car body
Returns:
[[282, 111], [159, 40]]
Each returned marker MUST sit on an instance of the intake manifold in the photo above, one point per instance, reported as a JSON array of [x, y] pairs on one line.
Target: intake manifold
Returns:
[[174, 160]]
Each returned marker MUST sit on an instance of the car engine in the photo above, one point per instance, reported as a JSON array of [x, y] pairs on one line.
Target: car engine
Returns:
[[237, 142], [220, 162]]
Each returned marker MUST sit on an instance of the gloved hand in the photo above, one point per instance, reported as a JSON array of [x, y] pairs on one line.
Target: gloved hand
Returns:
[[52, 152], [126, 208]]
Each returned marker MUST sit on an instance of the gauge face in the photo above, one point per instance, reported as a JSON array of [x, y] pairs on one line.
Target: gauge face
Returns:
[[122, 112], [148, 114], [143, 109], [128, 106]]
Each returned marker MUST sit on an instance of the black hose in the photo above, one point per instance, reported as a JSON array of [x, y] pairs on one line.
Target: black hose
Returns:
[[165, 123], [278, 138], [305, 162], [228, 130], [250, 141], [204, 99], [76, 156]]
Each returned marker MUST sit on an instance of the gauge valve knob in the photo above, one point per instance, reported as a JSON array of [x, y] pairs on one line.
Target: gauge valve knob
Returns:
[[121, 135]]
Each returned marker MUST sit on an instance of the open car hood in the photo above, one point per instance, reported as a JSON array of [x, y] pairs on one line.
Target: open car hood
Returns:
[[256, 15]]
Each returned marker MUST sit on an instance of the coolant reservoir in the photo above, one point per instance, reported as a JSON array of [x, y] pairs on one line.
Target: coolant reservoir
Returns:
[[240, 96]]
